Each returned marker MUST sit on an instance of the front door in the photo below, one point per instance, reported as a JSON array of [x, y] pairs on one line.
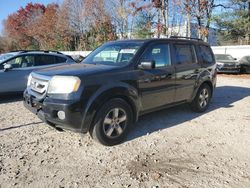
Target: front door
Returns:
[[15, 79], [157, 85]]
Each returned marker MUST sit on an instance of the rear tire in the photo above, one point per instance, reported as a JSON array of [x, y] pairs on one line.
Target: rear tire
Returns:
[[112, 122], [202, 99]]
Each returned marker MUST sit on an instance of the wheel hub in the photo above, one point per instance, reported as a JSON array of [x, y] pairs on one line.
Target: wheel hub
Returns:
[[203, 98], [115, 122]]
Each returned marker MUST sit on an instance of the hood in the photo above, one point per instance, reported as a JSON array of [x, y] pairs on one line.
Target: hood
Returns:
[[75, 69], [227, 61]]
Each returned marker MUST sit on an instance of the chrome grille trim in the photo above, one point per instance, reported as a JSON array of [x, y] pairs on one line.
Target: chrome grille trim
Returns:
[[39, 85]]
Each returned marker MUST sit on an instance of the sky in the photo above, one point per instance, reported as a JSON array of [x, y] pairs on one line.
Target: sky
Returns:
[[8, 7]]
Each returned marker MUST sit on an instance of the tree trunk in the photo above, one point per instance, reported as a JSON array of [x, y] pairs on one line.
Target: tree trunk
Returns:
[[248, 22], [188, 25], [159, 24], [164, 10]]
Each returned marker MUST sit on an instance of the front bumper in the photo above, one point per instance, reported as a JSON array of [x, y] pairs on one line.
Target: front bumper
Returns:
[[228, 70], [47, 111]]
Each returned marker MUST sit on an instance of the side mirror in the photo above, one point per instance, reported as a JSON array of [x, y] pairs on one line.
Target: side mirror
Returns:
[[7, 67], [147, 65]]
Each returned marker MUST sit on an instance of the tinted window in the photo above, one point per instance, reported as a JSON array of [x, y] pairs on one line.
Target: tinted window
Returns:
[[60, 59], [184, 54], [44, 60], [206, 54], [158, 53]]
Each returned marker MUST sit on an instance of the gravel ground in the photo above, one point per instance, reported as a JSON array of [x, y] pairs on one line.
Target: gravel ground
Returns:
[[170, 148], [247, 76]]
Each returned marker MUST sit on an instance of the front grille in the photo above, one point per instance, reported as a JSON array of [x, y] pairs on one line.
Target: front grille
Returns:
[[229, 65], [39, 85]]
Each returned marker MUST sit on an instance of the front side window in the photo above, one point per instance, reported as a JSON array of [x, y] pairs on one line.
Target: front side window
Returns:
[[22, 61], [158, 53], [114, 54], [184, 54], [16, 62]]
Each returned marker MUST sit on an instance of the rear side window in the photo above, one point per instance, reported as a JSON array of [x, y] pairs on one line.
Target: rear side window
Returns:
[[184, 54], [28, 61], [44, 60], [206, 54], [60, 59]]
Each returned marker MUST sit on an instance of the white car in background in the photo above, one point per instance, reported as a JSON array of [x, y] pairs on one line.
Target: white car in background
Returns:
[[226, 64]]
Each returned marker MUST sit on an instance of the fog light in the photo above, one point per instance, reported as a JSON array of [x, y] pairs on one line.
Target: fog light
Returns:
[[61, 115]]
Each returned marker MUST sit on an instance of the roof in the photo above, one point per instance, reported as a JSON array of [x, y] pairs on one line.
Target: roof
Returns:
[[159, 39]]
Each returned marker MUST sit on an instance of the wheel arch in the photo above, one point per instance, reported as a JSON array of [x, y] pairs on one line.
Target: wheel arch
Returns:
[[126, 93], [208, 82]]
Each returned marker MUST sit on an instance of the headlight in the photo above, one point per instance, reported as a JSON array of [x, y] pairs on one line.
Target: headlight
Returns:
[[29, 80], [63, 84]]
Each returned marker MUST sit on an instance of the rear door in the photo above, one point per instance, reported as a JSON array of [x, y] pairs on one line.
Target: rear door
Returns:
[[15, 79], [187, 70], [157, 86]]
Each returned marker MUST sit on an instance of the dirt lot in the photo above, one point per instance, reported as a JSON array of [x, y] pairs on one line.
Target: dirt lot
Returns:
[[246, 76], [170, 148]]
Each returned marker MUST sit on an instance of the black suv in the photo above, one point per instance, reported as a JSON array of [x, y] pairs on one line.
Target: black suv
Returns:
[[120, 81]]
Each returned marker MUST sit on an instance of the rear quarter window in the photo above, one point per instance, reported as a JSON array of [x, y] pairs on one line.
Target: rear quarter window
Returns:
[[44, 60], [205, 54]]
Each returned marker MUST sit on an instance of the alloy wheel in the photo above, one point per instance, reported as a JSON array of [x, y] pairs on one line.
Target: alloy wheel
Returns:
[[115, 122], [203, 98]]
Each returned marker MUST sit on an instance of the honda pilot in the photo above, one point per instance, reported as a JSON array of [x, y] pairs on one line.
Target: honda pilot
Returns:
[[120, 81]]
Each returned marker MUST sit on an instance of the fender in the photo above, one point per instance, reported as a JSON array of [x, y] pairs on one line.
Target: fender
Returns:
[[105, 93]]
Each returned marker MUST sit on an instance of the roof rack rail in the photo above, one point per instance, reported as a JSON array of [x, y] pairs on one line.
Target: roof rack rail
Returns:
[[180, 37], [16, 51], [45, 51], [53, 51]]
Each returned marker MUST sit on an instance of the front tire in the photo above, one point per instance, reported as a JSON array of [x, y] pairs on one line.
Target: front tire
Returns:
[[202, 99], [112, 122]]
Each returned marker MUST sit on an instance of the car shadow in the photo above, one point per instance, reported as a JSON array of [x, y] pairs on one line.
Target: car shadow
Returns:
[[11, 98], [223, 97]]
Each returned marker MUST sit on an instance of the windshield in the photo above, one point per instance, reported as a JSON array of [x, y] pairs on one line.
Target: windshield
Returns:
[[117, 54], [5, 56], [223, 57]]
